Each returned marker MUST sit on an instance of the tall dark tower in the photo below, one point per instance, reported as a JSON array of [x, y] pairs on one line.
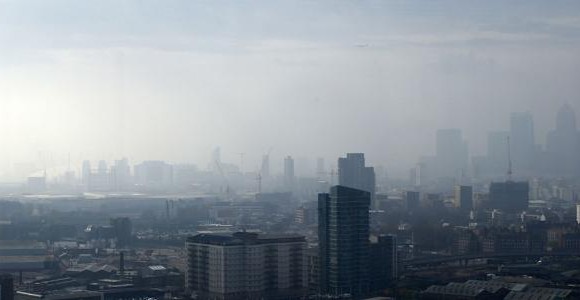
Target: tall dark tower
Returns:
[[343, 233], [353, 173]]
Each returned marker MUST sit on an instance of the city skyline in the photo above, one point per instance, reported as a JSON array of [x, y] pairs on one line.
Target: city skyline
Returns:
[[176, 84]]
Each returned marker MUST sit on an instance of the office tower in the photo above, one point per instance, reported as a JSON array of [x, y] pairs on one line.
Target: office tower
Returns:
[[343, 238], [497, 152], [412, 200], [353, 173], [383, 259], [265, 169], [522, 140], [563, 144], [120, 175], [451, 153], [464, 197], [6, 287], [578, 213], [154, 174], [289, 178], [509, 196], [246, 265]]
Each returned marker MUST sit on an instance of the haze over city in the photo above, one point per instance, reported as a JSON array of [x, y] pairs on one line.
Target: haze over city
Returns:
[[152, 80], [289, 150]]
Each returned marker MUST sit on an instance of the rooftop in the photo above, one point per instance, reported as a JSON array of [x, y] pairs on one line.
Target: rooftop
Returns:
[[243, 238]]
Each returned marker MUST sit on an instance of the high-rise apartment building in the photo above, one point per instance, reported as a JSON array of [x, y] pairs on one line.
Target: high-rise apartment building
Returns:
[[246, 265], [343, 234], [353, 173]]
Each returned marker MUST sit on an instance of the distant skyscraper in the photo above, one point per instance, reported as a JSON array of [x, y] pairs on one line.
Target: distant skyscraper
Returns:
[[451, 153], [353, 173], [121, 175], [289, 178], [154, 174], [265, 169], [343, 234], [523, 143], [464, 197], [497, 152], [320, 170], [563, 144], [509, 196]]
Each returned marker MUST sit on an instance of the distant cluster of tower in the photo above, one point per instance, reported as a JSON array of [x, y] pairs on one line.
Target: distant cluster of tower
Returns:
[[559, 157]]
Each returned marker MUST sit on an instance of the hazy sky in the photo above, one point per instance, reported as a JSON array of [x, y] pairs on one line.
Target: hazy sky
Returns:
[[173, 79]]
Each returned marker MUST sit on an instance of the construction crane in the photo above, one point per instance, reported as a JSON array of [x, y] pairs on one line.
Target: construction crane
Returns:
[[332, 174], [262, 169]]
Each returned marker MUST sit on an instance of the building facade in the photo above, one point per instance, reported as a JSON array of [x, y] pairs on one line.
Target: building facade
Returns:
[[343, 234], [353, 173], [509, 196], [246, 266]]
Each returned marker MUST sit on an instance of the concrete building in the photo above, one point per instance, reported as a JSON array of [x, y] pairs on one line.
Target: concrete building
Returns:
[[343, 234], [246, 266]]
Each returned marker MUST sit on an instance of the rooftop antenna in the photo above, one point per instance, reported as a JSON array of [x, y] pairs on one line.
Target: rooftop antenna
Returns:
[[510, 171]]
